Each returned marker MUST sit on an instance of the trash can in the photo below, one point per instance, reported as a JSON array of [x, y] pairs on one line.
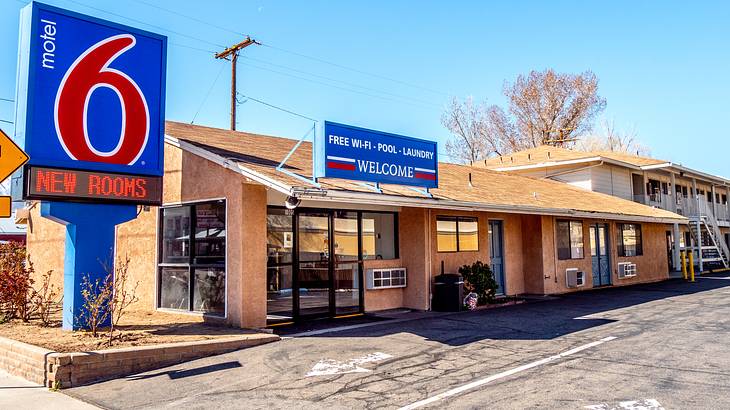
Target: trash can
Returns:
[[448, 293]]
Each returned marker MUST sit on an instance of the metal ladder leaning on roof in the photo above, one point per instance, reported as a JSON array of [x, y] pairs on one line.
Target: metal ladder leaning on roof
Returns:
[[714, 251]]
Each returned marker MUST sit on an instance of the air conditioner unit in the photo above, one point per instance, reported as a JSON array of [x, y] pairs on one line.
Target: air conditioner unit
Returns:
[[386, 278], [626, 270], [574, 278]]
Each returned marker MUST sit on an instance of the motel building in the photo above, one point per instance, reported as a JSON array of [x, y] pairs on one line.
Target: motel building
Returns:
[[697, 195], [244, 241]]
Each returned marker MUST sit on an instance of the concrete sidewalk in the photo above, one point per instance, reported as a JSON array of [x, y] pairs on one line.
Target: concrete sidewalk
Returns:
[[20, 394]]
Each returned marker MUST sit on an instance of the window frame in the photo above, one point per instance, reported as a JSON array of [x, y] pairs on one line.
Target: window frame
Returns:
[[190, 264], [457, 219], [570, 239], [620, 246], [396, 233]]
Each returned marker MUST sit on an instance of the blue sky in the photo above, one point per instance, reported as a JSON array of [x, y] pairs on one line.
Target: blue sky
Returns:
[[663, 66]]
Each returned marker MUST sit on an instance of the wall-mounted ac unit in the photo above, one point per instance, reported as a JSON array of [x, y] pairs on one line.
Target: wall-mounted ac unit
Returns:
[[626, 270], [386, 278], [574, 278]]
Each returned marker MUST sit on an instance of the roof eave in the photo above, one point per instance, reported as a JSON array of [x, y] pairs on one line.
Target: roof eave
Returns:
[[552, 164], [402, 201], [230, 165], [680, 168], [393, 200]]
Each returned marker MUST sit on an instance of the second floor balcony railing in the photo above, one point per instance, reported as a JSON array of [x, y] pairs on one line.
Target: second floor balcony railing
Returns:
[[693, 207], [687, 206]]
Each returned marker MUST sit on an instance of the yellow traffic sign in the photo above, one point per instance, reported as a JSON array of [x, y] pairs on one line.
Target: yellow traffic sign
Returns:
[[12, 157], [6, 209]]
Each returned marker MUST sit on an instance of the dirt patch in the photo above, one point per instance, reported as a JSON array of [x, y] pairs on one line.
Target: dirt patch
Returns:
[[138, 328]]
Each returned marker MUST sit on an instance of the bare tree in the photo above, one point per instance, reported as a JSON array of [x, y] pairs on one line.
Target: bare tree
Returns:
[[614, 140], [467, 121], [541, 105]]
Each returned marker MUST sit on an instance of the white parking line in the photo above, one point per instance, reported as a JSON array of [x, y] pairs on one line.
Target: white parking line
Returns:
[[504, 374]]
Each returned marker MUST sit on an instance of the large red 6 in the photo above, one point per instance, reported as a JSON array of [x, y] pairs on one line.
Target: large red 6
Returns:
[[89, 72]]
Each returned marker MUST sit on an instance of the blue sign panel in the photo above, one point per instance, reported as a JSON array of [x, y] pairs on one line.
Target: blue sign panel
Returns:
[[91, 93], [347, 152]]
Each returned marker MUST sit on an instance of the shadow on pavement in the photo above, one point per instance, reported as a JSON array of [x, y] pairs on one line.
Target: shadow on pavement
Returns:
[[181, 374], [541, 320]]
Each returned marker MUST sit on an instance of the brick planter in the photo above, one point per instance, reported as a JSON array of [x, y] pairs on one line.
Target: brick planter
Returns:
[[63, 370]]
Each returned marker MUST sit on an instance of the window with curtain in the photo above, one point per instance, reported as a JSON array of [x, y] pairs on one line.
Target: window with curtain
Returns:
[[570, 240], [629, 240], [191, 269]]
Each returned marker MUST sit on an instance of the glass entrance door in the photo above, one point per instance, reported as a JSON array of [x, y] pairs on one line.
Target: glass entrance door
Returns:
[[313, 274], [329, 263], [599, 255], [346, 263]]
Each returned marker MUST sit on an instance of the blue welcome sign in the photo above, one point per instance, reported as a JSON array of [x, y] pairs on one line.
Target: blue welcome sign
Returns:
[[347, 152], [91, 93]]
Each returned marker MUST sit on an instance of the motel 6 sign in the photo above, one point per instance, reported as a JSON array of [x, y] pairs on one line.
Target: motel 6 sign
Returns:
[[91, 98]]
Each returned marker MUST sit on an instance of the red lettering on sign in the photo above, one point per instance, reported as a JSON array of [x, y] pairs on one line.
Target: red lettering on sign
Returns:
[[89, 71], [94, 181], [142, 191], [41, 183], [107, 185], [69, 182], [56, 182]]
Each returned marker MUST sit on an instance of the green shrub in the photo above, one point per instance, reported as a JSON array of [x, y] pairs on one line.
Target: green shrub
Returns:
[[478, 278]]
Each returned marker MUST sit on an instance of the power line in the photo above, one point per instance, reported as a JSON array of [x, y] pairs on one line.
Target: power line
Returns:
[[343, 82], [9, 122], [197, 20], [277, 107], [320, 60], [208, 93], [145, 23], [7, 99], [355, 69], [336, 86]]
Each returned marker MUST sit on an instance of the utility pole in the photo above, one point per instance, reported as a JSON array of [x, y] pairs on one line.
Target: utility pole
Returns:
[[232, 52]]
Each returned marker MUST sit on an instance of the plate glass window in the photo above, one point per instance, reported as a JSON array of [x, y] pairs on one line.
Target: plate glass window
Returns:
[[457, 234], [192, 274], [629, 240], [379, 236], [570, 240]]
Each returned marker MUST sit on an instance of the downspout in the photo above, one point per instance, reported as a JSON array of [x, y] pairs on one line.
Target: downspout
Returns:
[[430, 260]]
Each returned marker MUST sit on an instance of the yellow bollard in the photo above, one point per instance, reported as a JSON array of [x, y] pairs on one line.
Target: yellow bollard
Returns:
[[692, 266], [683, 258]]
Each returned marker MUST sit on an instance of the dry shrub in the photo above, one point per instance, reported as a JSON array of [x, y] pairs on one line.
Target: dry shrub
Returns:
[[44, 299], [107, 299], [16, 282]]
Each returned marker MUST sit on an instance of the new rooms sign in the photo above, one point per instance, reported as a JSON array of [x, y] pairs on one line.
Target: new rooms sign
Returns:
[[90, 93], [347, 152]]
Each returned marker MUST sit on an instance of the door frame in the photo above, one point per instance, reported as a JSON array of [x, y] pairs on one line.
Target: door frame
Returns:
[[503, 279], [331, 264], [596, 226]]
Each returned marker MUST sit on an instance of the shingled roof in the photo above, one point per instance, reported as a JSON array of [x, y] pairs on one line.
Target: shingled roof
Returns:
[[544, 155], [487, 190]]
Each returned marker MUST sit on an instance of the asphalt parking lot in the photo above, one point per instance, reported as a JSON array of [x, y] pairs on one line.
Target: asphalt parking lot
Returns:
[[647, 346]]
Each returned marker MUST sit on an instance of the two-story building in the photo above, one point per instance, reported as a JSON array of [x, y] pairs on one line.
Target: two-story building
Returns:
[[701, 197]]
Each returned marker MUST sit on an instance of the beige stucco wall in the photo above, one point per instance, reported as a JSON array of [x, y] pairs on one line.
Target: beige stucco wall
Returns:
[[45, 245], [188, 178], [651, 266]]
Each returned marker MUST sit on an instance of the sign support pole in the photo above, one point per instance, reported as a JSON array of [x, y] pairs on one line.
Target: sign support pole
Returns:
[[90, 237]]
